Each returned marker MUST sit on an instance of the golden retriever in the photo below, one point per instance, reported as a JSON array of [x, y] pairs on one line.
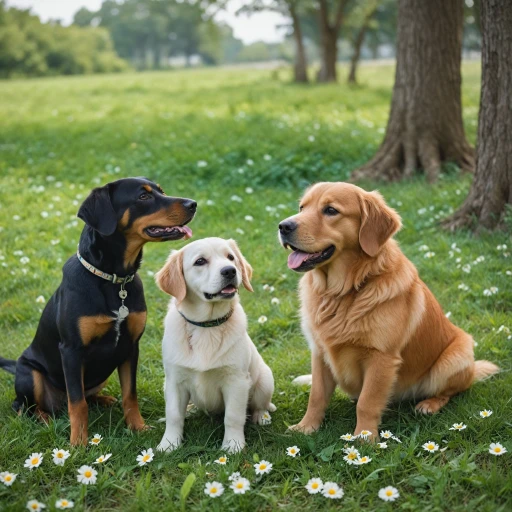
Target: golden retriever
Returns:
[[373, 326]]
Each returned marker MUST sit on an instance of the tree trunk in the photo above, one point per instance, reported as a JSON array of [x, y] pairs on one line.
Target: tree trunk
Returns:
[[425, 122], [300, 68], [327, 71], [358, 44], [491, 190], [329, 32]]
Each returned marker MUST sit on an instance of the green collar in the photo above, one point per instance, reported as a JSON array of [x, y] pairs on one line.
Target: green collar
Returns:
[[209, 323]]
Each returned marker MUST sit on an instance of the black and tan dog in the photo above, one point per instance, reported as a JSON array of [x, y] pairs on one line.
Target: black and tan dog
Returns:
[[93, 322]]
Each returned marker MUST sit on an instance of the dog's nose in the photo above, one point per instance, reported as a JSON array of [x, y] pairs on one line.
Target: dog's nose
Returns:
[[229, 272], [190, 204], [287, 226]]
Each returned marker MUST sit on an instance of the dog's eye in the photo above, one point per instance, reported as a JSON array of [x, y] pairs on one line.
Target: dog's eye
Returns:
[[144, 196], [231, 257], [329, 210], [200, 262]]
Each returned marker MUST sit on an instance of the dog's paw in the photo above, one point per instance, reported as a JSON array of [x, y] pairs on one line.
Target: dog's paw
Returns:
[[303, 380], [304, 428], [167, 446], [431, 405], [272, 407], [232, 446], [262, 417]]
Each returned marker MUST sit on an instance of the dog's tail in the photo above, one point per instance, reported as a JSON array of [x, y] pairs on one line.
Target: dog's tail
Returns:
[[9, 365], [484, 369]]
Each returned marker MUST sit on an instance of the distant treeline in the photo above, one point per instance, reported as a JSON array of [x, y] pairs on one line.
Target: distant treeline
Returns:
[[31, 48]]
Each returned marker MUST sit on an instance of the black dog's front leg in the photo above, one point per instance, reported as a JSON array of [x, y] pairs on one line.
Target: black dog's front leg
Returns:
[[72, 364], [128, 378]]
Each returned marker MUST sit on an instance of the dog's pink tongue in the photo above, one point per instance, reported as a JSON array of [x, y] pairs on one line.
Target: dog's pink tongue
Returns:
[[296, 259], [187, 231]]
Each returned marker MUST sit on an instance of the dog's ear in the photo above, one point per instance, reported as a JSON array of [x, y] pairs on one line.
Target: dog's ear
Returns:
[[379, 223], [245, 268], [97, 211], [170, 278]]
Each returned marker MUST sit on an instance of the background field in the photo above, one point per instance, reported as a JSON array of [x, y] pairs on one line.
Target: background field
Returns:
[[210, 135]]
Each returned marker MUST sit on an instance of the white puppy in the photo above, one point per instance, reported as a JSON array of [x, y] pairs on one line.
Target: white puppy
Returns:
[[208, 356]]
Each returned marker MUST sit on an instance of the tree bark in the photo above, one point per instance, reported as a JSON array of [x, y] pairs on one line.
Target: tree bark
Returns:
[[329, 32], [300, 68], [425, 122], [491, 190]]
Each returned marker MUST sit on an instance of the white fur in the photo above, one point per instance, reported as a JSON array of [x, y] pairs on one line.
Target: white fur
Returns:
[[216, 368]]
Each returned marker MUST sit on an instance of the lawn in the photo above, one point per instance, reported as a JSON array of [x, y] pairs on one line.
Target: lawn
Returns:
[[244, 144]]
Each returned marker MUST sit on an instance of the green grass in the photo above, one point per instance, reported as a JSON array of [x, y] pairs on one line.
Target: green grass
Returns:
[[61, 137]]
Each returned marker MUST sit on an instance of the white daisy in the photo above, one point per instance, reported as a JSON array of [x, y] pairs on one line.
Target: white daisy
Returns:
[[332, 490], [275, 301], [234, 476], [348, 437], [24, 260], [485, 413], [396, 439], [249, 190], [389, 493], [351, 455], [292, 451], [64, 503], [263, 467], [386, 434], [240, 486], [213, 489], [262, 319], [103, 458], [423, 248], [365, 434], [497, 449], [266, 419], [35, 506], [7, 478], [249, 218], [96, 439], [60, 456], [430, 446], [429, 254], [362, 460], [382, 445], [145, 457], [40, 299], [34, 461], [314, 486], [221, 460], [458, 426], [202, 163], [86, 475]]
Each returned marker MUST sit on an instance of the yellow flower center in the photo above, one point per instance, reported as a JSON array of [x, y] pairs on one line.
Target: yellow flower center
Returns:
[[292, 450], [314, 485], [8, 478], [213, 490], [88, 474], [352, 456], [363, 459], [34, 506], [60, 455], [331, 491], [222, 459], [100, 459], [389, 493], [430, 446], [364, 432], [485, 413], [239, 485], [145, 458], [263, 466], [35, 460], [497, 449], [64, 503]]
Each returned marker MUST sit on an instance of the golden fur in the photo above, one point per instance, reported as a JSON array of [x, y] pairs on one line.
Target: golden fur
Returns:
[[373, 326]]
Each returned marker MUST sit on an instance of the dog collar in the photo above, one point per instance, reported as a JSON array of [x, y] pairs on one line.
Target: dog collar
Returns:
[[108, 277], [209, 323]]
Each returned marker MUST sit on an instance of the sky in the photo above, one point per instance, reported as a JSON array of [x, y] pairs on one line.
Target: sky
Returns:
[[257, 27]]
